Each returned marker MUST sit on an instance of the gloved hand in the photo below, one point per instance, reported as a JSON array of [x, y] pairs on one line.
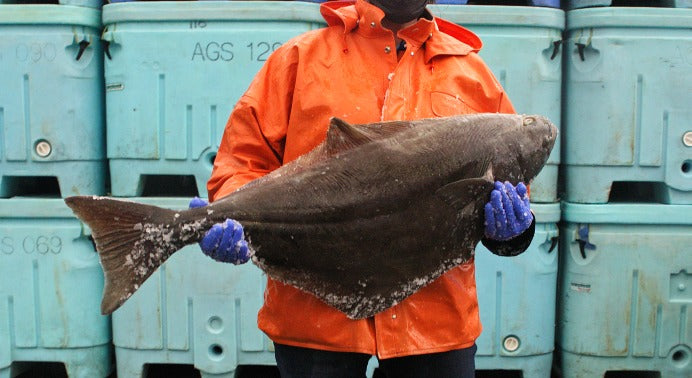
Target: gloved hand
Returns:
[[508, 213], [225, 241]]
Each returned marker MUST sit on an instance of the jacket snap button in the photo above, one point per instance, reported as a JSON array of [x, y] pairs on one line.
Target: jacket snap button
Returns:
[[372, 24], [387, 49]]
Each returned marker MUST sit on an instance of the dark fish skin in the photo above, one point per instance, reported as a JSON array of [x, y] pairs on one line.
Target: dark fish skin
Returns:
[[364, 220]]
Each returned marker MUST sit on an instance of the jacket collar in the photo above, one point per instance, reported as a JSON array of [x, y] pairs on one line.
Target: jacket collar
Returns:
[[440, 36]]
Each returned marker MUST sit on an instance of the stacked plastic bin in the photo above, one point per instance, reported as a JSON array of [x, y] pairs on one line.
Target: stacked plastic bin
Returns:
[[536, 3], [517, 295], [522, 46], [51, 129], [576, 4], [626, 268], [51, 105], [50, 291], [78, 3], [193, 311], [173, 73]]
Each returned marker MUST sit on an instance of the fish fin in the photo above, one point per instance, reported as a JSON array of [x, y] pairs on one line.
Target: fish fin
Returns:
[[124, 242], [342, 136], [379, 130], [463, 193]]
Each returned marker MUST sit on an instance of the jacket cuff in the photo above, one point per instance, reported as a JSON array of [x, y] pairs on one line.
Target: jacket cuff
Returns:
[[512, 247]]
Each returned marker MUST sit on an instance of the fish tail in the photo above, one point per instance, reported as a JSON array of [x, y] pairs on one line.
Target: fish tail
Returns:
[[132, 240]]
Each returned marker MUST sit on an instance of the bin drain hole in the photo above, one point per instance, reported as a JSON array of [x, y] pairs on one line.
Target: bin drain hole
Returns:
[[215, 352], [686, 167], [680, 357]]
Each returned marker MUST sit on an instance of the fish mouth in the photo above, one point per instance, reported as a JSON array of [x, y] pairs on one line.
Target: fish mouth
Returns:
[[553, 131]]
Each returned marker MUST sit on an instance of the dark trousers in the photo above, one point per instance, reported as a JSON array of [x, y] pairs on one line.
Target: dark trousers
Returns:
[[295, 362]]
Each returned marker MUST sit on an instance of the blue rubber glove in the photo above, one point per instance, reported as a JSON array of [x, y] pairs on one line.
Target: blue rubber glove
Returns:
[[508, 213], [225, 241]]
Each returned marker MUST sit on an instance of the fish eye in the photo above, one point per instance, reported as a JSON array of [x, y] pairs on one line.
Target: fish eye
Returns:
[[529, 120]]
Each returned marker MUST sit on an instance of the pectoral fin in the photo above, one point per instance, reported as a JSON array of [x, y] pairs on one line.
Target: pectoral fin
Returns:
[[463, 194]]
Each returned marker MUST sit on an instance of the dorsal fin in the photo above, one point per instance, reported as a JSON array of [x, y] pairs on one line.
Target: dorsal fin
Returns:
[[388, 128], [342, 136]]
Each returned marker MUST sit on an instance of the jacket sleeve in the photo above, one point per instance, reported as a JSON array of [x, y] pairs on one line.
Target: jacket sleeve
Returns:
[[253, 140]]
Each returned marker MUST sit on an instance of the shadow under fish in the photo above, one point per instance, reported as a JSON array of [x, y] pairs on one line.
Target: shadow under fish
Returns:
[[364, 220]]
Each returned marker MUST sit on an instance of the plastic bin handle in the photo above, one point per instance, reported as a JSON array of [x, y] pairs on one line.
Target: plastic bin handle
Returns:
[[553, 237], [553, 243], [583, 240], [556, 48], [108, 37], [82, 46], [107, 49], [83, 40], [580, 50]]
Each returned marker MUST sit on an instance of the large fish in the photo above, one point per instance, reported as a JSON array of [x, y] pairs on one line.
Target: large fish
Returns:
[[371, 215]]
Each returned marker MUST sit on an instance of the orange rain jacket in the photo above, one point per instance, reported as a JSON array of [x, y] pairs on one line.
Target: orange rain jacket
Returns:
[[350, 70]]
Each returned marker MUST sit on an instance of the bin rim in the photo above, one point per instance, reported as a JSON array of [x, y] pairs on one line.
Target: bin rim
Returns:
[[629, 17], [49, 14], [55, 207], [172, 11], [500, 15], [34, 207], [627, 213], [546, 212]]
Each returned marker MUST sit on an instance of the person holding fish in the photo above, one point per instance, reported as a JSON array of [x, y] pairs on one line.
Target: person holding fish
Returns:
[[377, 60]]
